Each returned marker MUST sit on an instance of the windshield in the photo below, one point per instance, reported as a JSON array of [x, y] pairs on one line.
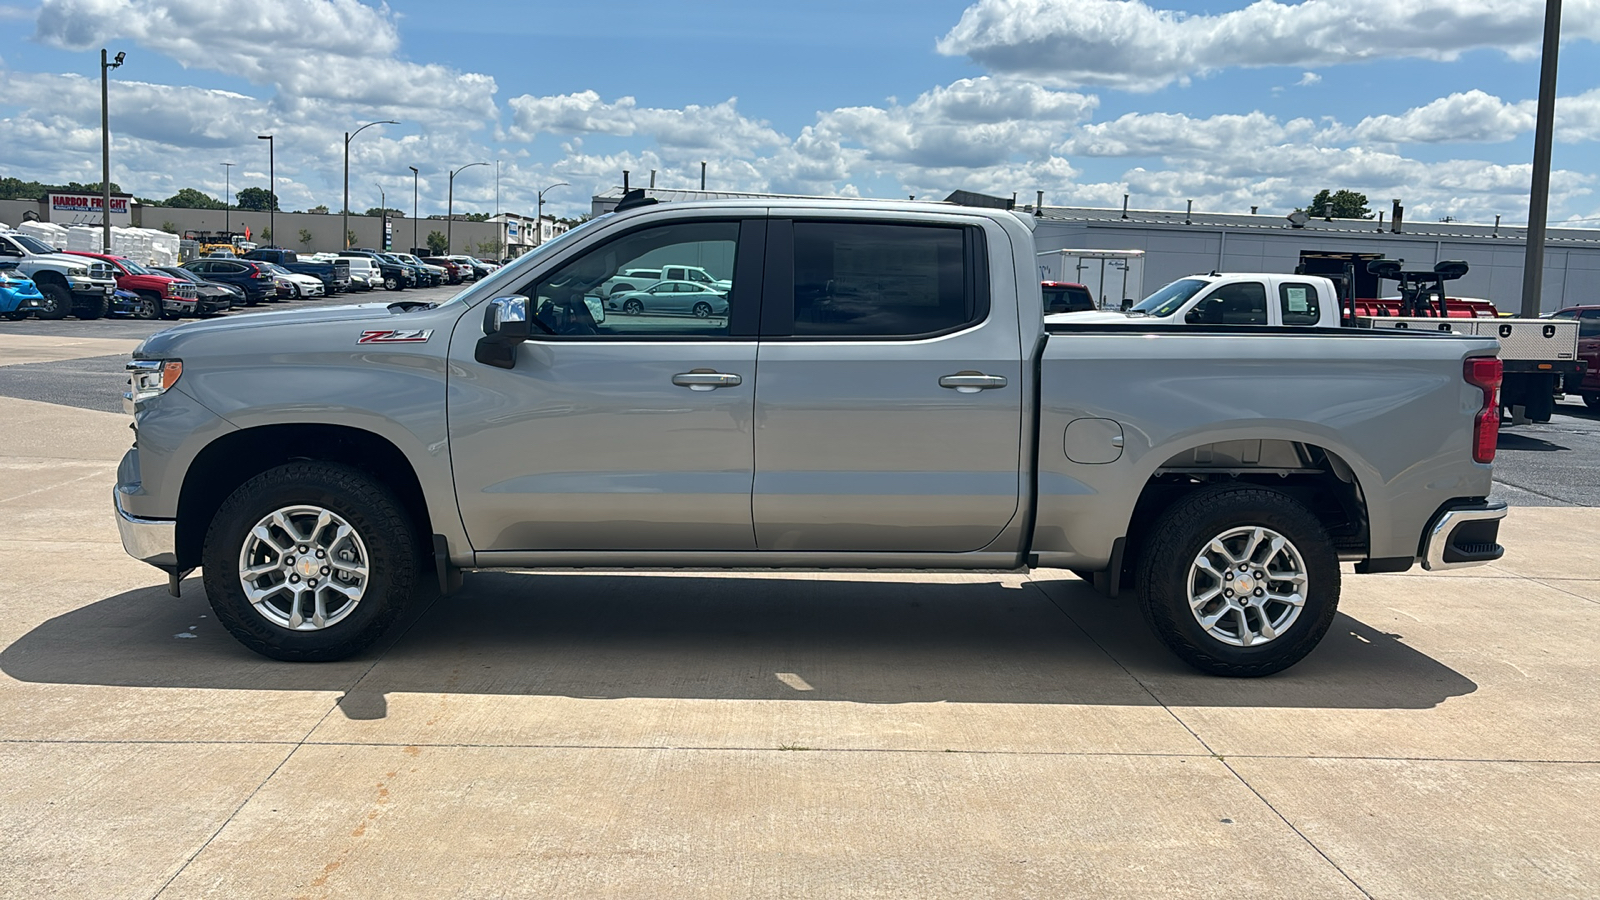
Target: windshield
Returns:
[[181, 273], [275, 269], [133, 268], [32, 245], [1166, 301]]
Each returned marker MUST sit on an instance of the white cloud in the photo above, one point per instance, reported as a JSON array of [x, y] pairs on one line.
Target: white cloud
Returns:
[[694, 128], [1129, 44], [1473, 116], [338, 50], [1308, 79]]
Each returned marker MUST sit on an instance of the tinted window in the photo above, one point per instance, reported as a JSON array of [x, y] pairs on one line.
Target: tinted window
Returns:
[[1244, 303], [1166, 301], [598, 295], [1067, 298], [1589, 324], [869, 280], [1298, 303]]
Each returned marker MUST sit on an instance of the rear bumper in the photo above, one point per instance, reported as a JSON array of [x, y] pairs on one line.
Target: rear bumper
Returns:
[[154, 541], [1464, 535]]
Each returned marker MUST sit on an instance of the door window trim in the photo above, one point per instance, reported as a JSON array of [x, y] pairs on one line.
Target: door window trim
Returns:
[[744, 300], [777, 311]]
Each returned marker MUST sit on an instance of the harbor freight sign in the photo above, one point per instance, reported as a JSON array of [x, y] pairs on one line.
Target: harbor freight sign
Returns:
[[84, 209]]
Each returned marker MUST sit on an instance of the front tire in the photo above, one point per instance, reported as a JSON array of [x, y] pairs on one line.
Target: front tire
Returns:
[[57, 301], [1239, 580], [149, 307], [702, 310], [632, 307], [1592, 401], [89, 310], [310, 562]]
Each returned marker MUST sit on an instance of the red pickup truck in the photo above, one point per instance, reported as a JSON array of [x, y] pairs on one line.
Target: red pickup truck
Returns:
[[1588, 383], [160, 296]]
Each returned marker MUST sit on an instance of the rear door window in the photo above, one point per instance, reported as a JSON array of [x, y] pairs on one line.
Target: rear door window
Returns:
[[1298, 304], [1589, 323], [870, 280], [1242, 303]]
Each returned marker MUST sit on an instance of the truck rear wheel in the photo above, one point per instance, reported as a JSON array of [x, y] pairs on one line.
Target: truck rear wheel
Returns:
[[1239, 580], [1592, 401], [310, 561], [92, 308]]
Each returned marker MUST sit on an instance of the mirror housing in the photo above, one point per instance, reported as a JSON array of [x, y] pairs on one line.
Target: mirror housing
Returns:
[[505, 325]]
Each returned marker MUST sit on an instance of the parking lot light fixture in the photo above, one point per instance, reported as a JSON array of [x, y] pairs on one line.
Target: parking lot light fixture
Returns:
[[383, 203], [413, 206], [344, 222], [227, 200], [272, 187], [538, 217], [450, 207], [105, 147]]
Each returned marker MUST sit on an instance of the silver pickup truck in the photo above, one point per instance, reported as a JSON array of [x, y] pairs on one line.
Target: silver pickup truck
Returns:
[[880, 392]]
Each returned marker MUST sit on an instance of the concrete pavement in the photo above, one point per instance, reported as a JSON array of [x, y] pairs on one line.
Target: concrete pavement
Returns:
[[700, 735]]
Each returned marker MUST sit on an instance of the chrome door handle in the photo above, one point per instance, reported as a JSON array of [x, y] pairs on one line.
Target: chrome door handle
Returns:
[[706, 380], [972, 382]]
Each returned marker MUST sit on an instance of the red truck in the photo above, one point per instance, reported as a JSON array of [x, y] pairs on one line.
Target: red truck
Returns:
[[160, 296], [1586, 384]]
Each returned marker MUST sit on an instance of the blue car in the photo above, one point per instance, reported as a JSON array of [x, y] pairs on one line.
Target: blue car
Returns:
[[18, 294]]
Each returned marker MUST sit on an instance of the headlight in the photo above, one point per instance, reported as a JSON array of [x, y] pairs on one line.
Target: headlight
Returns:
[[150, 378]]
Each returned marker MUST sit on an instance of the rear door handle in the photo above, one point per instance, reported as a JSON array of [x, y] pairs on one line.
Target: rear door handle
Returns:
[[972, 382], [706, 380]]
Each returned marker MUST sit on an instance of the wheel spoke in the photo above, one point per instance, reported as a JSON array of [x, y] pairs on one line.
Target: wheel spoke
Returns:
[[1267, 633], [1207, 597], [1216, 546], [1294, 599], [354, 568], [264, 535], [1210, 622], [322, 522], [294, 610], [254, 572], [282, 521], [319, 614], [1245, 635], [1256, 537]]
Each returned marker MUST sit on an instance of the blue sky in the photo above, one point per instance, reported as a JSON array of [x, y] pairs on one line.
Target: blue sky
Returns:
[[1228, 104]]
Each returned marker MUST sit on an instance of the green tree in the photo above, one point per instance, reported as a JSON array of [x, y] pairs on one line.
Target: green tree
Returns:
[[1346, 204], [169, 227], [189, 198], [305, 237], [473, 217], [320, 209], [437, 245], [256, 198], [378, 211], [266, 236]]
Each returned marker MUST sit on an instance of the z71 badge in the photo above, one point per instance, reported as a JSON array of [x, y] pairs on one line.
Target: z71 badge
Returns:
[[394, 337]]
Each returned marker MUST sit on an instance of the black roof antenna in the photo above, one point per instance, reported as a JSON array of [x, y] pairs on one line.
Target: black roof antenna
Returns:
[[634, 199]]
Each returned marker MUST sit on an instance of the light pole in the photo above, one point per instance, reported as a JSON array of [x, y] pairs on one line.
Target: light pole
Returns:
[[272, 187], [383, 203], [499, 226], [344, 222], [105, 148], [538, 218], [1539, 195], [450, 208], [413, 207], [227, 200]]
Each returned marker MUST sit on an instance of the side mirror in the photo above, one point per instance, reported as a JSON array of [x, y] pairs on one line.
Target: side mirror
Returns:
[[505, 325]]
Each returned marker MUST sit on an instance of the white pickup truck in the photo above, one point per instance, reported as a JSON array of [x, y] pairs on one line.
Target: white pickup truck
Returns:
[[1235, 298]]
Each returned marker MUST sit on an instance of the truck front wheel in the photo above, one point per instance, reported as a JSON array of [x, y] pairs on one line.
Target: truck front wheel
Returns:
[[310, 561], [57, 301], [1239, 580]]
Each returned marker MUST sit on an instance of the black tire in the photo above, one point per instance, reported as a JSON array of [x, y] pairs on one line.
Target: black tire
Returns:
[[632, 307], [89, 310], [369, 507], [149, 307], [702, 310], [1180, 535], [57, 301], [391, 282], [1592, 401], [17, 315]]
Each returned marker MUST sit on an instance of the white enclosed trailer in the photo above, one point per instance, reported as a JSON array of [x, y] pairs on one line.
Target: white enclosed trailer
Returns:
[[1112, 276]]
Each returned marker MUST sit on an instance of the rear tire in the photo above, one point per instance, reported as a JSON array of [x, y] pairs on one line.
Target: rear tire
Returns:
[[57, 301], [1592, 401], [1255, 632], [305, 621]]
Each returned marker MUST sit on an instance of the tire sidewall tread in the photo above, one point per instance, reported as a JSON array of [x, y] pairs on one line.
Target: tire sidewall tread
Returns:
[[374, 512], [1176, 537]]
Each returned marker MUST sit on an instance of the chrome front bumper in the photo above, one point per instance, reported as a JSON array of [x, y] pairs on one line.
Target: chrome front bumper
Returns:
[[154, 541], [1464, 536]]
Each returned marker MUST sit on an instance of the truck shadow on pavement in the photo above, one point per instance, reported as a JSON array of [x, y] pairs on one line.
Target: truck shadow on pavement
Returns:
[[867, 639]]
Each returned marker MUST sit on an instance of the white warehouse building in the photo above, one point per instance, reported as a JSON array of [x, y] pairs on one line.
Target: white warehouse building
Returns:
[[1175, 244]]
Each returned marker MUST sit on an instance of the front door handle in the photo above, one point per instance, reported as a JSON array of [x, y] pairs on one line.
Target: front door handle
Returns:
[[706, 380], [972, 382]]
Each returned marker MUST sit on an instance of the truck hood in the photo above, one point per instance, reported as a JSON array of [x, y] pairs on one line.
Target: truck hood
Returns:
[[172, 341], [60, 259]]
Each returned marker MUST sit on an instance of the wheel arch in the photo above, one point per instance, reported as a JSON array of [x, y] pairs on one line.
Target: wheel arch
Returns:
[[49, 276], [236, 457]]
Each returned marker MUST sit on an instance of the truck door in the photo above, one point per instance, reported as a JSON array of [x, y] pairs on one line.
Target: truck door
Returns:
[[889, 388], [614, 431]]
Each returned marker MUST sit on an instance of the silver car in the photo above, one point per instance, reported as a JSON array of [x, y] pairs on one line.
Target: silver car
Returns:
[[671, 297]]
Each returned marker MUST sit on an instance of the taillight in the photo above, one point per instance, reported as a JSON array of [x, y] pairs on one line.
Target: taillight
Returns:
[[1485, 372], [255, 273]]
